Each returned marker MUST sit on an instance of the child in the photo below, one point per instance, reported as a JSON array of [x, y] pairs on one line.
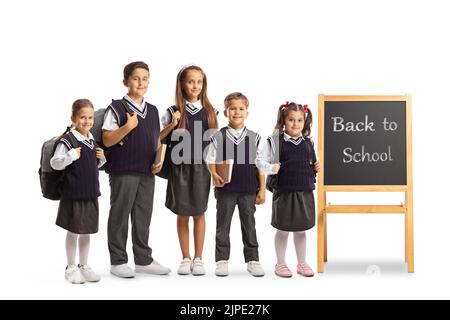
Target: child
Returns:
[[189, 180], [246, 188], [78, 207], [293, 208], [134, 139]]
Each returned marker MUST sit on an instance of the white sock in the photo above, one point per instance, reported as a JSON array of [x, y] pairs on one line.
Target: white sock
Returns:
[[83, 244], [300, 246], [281, 239], [71, 247]]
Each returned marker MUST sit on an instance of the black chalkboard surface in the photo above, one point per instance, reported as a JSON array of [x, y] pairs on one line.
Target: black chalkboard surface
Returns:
[[365, 143]]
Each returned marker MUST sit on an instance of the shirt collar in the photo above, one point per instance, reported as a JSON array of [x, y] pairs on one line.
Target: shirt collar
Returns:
[[197, 104], [286, 137], [140, 107], [80, 137], [236, 133]]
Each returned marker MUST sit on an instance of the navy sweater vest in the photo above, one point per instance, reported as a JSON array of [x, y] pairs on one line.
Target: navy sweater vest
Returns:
[[80, 180], [297, 167], [139, 148], [196, 125], [242, 150]]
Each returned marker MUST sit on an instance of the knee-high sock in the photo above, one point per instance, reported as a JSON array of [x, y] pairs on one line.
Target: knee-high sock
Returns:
[[281, 238], [71, 247], [83, 245], [300, 246]]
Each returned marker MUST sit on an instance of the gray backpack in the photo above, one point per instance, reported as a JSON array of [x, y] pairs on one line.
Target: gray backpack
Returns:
[[51, 179]]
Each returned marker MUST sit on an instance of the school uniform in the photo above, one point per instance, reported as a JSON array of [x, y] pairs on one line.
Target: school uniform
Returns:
[[80, 189], [189, 179], [131, 181], [241, 146], [293, 205]]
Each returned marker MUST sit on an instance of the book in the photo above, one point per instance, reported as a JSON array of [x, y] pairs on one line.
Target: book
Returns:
[[160, 154], [225, 169]]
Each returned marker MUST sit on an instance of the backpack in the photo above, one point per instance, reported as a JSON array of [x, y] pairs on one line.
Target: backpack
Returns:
[[51, 179]]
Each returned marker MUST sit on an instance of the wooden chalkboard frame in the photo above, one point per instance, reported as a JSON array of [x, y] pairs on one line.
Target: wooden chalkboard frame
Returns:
[[325, 208]]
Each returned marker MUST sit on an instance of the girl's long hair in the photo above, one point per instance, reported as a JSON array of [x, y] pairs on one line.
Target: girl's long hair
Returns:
[[283, 112], [180, 99]]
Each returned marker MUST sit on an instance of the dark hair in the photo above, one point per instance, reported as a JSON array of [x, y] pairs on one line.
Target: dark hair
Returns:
[[129, 68], [180, 98], [235, 96], [283, 112], [80, 104]]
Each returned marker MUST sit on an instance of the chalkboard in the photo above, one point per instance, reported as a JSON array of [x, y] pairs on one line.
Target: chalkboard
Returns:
[[365, 143]]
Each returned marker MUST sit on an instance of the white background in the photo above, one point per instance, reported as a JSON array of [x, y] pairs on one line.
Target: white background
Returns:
[[53, 52]]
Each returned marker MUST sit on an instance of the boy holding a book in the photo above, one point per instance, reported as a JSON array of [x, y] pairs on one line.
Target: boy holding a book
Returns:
[[231, 161]]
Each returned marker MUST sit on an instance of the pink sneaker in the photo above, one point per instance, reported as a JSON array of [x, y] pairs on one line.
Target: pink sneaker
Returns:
[[305, 270], [283, 271]]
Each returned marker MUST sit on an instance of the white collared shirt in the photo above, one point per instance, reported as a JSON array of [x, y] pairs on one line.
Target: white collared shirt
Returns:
[[64, 157], [265, 160], [212, 149], [166, 118], [110, 122]]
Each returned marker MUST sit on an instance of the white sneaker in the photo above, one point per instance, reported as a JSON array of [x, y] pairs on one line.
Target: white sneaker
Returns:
[[197, 267], [88, 274], [222, 268], [255, 269], [122, 271], [73, 275], [152, 268], [185, 267]]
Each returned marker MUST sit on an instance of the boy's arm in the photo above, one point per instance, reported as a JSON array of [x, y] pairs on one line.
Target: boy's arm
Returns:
[[111, 138], [211, 161], [217, 180], [262, 180], [261, 196]]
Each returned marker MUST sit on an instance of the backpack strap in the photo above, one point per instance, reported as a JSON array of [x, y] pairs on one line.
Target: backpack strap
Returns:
[[168, 139], [69, 141], [312, 153], [280, 144], [126, 106]]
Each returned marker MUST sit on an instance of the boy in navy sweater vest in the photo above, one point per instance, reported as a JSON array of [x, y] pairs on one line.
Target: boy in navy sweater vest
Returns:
[[134, 139], [246, 188]]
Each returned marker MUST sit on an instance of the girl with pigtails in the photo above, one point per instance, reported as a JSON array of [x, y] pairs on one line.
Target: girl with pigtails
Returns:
[[289, 154]]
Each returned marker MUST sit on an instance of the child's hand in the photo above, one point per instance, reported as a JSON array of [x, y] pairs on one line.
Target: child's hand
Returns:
[[175, 119], [78, 150], [156, 167], [276, 168], [218, 181], [261, 196], [99, 153], [317, 166], [132, 120]]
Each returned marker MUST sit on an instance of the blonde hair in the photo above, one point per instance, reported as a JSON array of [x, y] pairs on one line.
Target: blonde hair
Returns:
[[235, 96]]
